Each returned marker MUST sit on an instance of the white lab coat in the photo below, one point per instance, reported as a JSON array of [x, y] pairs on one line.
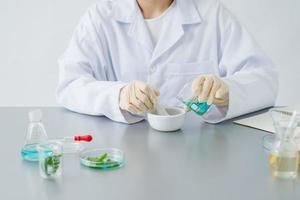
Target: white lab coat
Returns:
[[111, 47]]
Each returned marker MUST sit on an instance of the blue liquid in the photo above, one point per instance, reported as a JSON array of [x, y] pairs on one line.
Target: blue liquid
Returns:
[[29, 152], [197, 107]]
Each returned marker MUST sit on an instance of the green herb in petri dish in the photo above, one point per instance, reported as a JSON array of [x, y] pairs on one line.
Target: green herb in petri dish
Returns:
[[103, 162]]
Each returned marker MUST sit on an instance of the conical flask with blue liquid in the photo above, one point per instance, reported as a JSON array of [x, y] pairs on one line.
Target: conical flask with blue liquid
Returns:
[[191, 100], [36, 134]]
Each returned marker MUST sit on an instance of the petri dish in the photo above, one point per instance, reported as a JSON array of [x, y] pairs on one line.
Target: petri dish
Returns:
[[103, 159], [268, 141]]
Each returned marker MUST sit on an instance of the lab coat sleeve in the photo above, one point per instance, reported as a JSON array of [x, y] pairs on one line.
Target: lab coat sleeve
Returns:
[[79, 88], [248, 72]]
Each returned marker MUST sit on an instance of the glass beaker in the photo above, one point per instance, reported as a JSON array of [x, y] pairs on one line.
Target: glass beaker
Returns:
[[50, 159], [281, 120], [36, 134], [191, 100], [284, 151], [284, 159]]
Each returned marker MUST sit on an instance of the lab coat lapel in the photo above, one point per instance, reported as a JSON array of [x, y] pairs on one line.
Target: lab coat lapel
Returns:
[[171, 33], [128, 11], [183, 13], [138, 31]]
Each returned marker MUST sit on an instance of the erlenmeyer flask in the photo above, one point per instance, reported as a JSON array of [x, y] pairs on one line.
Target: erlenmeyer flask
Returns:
[[191, 100], [36, 134]]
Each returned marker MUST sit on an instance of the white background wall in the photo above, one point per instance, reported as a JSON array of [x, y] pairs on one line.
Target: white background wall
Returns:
[[33, 33]]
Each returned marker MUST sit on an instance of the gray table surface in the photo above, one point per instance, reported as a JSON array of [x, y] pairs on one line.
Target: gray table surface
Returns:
[[202, 161]]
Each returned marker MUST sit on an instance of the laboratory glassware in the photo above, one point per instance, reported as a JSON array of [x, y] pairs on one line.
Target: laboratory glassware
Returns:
[[284, 151], [50, 159], [74, 144], [191, 100], [36, 134], [104, 159]]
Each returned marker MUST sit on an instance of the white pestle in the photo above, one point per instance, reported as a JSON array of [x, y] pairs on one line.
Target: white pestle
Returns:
[[160, 110]]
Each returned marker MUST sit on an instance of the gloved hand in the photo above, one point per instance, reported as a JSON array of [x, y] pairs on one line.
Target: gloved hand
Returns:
[[137, 97], [212, 89]]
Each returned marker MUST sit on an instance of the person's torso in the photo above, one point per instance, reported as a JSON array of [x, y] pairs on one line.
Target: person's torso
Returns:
[[183, 52]]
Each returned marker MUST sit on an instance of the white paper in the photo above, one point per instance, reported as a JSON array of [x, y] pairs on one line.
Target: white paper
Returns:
[[261, 122], [264, 121]]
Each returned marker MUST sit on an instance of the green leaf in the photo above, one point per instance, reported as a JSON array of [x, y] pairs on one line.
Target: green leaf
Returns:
[[103, 157], [53, 163]]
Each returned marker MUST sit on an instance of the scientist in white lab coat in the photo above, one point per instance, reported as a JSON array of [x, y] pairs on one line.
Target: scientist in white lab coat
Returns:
[[125, 54]]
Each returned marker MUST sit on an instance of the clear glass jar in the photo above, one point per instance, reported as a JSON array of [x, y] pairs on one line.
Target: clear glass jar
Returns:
[[50, 159]]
